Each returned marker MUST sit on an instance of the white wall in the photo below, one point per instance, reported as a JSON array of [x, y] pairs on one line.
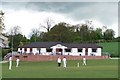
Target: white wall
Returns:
[[59, 46], [43, 51], [89, 51], [99, 50], [97, 53], [35, 51], [67, 53], [74, 51], [54, 51], [28, 50], [21, 50], [82, 53]]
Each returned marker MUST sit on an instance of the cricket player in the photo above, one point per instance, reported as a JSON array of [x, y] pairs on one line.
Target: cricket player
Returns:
[[64, 62], [10, 62], [59, 61], [17, 62], [84, 61]]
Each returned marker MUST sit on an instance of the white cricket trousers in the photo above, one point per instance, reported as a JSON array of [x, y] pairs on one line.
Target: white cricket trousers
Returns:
[[64, 64], [17, 64], [10, 65]]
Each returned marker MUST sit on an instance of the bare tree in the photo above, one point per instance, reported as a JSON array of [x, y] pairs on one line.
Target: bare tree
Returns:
[[35, 32], [2, 26], [104, 28], [15, 30], [77, 27], [89, 23], [48, 25]]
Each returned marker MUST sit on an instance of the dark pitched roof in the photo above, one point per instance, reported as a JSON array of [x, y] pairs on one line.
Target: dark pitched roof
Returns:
[[40, 44], [84, 45], [50, 44]]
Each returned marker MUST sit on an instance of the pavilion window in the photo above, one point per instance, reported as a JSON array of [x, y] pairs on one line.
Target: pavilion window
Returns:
[[67, 50], [30, 49], [25, 49], [80, 50], [60, 50], [38, 50], [94, 50], [49, 50]]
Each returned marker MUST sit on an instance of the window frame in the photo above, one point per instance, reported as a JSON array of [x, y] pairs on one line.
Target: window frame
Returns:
[[81, 50], [49, 49], [94, 50], [68, 50]]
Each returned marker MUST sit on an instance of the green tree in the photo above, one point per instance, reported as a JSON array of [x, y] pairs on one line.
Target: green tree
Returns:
[[17, 40], [59, 32], [99, 33], [95, 35], [36, 35], [84, 32], [109, 34]]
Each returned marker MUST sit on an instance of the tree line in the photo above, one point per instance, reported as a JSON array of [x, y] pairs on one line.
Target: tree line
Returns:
[[61, 32], [65, 32]]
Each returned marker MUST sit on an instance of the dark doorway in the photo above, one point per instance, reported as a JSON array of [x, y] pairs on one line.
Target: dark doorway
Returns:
[[30, 50], [58, 51], [86, 51]]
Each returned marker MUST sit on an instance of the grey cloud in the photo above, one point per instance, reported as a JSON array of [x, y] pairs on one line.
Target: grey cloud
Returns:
[[106, 12], [59, 0]]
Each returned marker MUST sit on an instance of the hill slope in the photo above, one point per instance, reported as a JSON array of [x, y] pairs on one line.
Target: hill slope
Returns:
[[110, 47]]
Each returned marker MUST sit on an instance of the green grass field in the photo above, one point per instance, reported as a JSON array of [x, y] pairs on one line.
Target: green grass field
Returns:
[[110, 47], [95, 69]]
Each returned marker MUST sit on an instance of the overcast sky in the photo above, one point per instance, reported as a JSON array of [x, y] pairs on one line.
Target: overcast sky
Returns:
[[29, 15]]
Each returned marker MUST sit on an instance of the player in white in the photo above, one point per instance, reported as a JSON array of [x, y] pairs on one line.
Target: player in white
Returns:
[[17, 62], [84, 61], [64, 62], [10, 62]]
